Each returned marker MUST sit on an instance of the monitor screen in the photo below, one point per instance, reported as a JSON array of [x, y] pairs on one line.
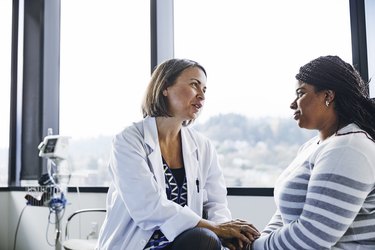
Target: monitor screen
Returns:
[[50, 146]]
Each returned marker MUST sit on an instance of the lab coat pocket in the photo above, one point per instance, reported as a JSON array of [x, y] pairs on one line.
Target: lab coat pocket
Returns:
[[205, 200], [205, 197], [198, 201]]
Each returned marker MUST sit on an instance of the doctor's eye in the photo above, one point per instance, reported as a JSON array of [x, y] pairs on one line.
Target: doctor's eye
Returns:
[[195, 84]]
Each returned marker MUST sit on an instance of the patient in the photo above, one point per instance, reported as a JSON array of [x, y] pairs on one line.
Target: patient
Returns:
[[165, 174], [326, 197]]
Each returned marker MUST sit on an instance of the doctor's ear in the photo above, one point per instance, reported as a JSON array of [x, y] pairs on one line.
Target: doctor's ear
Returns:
[[165, 92]]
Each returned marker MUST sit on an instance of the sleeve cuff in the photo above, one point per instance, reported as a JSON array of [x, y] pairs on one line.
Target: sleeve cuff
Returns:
[[177, 224], [258, 243]]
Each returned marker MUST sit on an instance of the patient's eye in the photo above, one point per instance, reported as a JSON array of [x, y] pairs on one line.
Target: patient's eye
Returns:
[[300, 93]]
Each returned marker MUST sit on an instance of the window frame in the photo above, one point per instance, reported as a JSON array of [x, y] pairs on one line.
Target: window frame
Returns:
[[34, 106], [359, 41], [29, 122]]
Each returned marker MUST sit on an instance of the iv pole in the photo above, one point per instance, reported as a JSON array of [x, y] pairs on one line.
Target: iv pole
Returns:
[[55, 149], [57, 211]]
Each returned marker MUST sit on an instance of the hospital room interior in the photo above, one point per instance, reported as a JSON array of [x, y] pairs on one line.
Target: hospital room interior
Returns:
[[74, 73]]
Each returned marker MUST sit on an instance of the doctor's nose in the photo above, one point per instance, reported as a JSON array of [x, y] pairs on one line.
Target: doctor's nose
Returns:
[[201, 95]]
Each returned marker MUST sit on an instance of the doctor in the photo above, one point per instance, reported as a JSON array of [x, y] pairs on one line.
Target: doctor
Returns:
[[166, 176]]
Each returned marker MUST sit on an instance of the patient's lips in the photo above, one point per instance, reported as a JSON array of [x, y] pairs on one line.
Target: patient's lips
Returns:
[[296, 115]]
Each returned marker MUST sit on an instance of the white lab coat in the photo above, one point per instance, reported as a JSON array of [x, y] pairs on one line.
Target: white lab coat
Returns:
[[136, 201]]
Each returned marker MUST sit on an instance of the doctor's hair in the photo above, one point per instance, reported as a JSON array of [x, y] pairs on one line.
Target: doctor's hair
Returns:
[[351, 102], [164, 75]]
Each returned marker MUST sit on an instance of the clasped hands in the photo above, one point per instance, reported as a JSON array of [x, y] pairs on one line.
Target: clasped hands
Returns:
[[236, 234]]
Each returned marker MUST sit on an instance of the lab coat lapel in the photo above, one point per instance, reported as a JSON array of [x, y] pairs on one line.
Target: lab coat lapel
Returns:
[[154, 156], [190, 155]]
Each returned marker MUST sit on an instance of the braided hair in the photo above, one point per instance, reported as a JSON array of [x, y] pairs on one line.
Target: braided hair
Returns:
[[352, 102]]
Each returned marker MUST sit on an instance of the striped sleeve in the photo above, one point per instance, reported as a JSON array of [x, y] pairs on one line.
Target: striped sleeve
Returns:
[[275, 223], [340, 182]]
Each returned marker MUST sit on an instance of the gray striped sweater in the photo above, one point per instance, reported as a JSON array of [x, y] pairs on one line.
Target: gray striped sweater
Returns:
[[325, 199]]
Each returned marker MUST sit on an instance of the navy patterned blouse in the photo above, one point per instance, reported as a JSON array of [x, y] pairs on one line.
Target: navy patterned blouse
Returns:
[[176, 189]]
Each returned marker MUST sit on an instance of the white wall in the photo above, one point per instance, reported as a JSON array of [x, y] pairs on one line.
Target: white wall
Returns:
[[256, 210], [33, 230]]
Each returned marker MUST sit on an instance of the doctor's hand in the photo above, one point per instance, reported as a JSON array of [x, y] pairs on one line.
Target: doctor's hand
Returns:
[[239, 229], [235, 234]]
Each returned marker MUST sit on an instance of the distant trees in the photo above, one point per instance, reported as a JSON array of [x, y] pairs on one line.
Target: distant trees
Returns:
[[252, 152], [252, 130]]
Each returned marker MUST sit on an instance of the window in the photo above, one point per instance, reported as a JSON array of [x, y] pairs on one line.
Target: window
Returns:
[[252, 51], [370, 32], [5, 61], [105, 67]]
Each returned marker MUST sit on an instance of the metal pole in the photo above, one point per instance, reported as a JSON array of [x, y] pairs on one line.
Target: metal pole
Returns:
[[58, 245]]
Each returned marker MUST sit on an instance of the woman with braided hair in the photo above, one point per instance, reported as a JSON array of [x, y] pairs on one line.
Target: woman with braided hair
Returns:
[[325, 199]]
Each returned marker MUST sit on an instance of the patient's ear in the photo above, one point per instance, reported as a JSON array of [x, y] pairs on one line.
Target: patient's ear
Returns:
[[165, 92], [330, 95]]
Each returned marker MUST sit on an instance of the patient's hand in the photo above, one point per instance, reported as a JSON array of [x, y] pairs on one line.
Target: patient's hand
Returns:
[[235, 234], [242, 227]]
